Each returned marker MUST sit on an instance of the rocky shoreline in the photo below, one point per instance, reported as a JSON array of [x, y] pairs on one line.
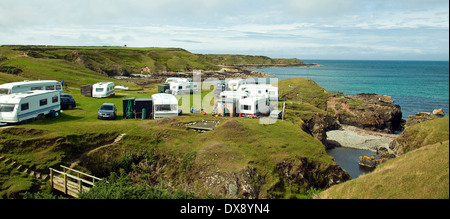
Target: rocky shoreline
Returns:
[[358, 138]]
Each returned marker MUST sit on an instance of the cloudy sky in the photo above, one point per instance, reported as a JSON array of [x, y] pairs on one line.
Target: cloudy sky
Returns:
[[305, 29]]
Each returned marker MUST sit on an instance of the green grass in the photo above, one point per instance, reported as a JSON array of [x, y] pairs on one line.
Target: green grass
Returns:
[[422, 172], [419, 174], [426, 133]]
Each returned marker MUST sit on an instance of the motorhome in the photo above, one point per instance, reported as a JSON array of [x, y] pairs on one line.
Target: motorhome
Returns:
[[253, 106], [233, 85], [260, 90], [164, 105], [103, 90], [21, 107], [24, 86]]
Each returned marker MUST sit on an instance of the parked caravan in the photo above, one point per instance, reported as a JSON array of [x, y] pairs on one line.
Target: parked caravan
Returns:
[[233, 85], [103, 90], [20, 107], [164, 105], [24, 86], [180, 86], [233, 95], [254, 106], [260, 90]]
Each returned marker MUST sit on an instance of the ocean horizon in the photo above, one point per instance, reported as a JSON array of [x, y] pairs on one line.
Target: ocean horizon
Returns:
[[417, 86]]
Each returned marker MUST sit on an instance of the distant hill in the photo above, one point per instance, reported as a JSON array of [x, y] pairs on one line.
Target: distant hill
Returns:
[[73, 64]]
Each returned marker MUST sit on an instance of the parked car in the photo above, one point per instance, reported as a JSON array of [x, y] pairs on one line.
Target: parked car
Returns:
[[67, 101], [107, 111]]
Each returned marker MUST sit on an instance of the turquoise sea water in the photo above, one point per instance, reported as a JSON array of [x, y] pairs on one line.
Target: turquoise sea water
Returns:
[[417, 86]]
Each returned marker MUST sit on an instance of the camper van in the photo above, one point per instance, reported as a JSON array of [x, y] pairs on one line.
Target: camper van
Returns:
[[24, 86], [233, 85], [253, 106], [164, 105], [20, 107], [103, 90], [260, 90]]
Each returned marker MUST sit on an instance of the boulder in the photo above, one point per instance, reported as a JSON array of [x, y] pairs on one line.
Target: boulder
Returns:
[[439, 112]]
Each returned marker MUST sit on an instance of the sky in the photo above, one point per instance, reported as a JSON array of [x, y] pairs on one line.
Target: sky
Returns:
[[304, 29]]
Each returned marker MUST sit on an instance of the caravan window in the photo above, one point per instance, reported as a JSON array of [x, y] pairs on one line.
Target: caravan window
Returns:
[[52, 87], [246, 107], [55, 99], [180, 87], [6, 108], [58, 87], [36, 88], [4, 91], [43, 102], [166, 107], [99, 90], [24, 106]]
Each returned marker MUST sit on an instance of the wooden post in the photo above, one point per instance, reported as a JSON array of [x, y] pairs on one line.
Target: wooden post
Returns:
[[65, 183], [51, 178]]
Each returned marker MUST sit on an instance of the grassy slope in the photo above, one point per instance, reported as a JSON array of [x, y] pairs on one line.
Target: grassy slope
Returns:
[[64, 139], [420, 173]]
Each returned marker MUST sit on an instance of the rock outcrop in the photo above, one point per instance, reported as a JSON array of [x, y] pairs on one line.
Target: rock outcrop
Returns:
[[369, 111]]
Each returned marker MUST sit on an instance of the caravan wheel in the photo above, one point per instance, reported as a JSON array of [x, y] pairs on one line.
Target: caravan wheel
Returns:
[[40, 116]]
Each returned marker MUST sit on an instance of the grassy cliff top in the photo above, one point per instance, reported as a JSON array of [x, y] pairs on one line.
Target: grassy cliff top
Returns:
[[421, 173]]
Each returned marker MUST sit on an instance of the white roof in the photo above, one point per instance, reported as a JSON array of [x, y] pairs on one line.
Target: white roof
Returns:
[[252, 99], [177, 80], [10, 85], [16, 97], [164, 99], [103, 84]]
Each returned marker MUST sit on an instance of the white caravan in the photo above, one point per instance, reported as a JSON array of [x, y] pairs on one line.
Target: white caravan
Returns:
[[253, 106], [24, 86], [233, 85], [233, 95], [29, 105], [180, 86], [164, 105], [260, 90], [103, 90]]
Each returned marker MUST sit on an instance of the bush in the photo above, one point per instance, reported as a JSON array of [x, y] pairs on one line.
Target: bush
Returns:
[[119, 186]]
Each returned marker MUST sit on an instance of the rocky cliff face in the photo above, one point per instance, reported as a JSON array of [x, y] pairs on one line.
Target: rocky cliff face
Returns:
[[319, 125], [369, 111]]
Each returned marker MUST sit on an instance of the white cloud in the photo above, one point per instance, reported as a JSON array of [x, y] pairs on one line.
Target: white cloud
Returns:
[[325, 28]]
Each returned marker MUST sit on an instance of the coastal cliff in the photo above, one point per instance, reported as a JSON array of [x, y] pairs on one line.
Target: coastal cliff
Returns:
[[369, 111]]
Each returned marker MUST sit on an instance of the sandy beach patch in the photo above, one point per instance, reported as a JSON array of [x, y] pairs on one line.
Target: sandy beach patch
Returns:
[[353, 137]]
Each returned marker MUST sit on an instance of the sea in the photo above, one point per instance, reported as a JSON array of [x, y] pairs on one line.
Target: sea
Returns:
[[417, 86]]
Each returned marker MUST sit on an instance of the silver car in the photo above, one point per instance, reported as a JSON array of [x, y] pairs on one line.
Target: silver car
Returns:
[[107, 111]]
